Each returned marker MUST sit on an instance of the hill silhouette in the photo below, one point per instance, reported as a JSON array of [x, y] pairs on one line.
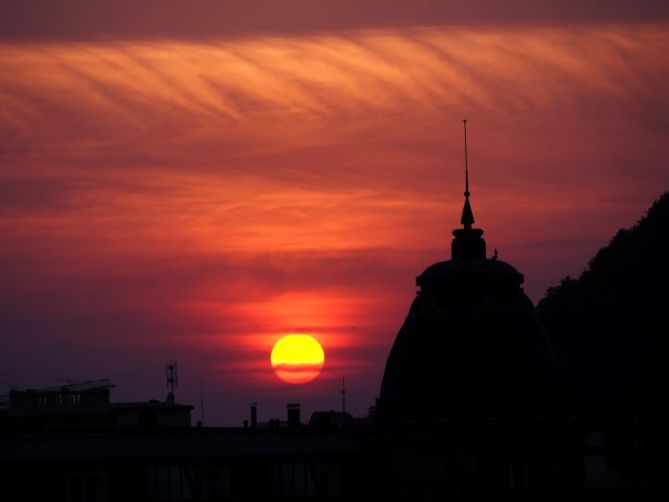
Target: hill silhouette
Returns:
[[610, 326]]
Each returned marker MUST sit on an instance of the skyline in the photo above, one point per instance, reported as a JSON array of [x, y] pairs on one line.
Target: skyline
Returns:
[[197, 198]]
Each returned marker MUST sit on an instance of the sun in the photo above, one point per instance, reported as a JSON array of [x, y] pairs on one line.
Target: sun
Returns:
[[297, 358]]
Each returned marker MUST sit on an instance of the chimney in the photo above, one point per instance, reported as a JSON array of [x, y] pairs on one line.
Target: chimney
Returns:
[[293, 414]]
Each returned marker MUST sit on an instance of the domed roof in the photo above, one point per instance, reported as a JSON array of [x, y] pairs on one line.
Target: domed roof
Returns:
[[445, 273], [471, 344]]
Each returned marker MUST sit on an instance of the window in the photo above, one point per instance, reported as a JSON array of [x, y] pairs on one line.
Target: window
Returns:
[[87, 487], [211, 483], [291, 480], [327, 479], [167, 483], [519, 476], [148, 419]]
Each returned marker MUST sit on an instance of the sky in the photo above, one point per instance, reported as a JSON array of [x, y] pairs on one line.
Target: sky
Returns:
[[191, 181]]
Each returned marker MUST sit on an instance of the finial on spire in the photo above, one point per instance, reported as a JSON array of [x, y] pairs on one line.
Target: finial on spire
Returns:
[[468, 243], [467, 214]]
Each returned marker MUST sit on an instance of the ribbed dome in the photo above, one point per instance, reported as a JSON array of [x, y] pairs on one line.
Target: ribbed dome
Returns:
[[471, 345]]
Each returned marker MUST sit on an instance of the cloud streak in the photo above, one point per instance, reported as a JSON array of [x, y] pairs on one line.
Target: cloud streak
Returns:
[[198, 19]]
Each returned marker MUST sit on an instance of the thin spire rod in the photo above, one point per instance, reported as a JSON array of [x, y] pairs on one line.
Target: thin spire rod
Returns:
[[464, 122], [467, 215]]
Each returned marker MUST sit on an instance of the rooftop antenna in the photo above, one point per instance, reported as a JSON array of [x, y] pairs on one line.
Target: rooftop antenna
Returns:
[[172, 379], [343, 394], [254, 415], [467, 214], [201, 403]]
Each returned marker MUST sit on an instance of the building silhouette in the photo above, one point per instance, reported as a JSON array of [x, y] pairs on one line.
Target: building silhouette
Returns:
[[71, 444], [471, 404], [86, 405], [471, 345], [472, 407]]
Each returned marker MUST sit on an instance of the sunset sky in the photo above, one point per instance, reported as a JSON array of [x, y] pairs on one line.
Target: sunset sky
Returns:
[[193, 180]]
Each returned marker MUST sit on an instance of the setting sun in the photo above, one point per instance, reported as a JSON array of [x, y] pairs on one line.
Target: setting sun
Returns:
[[297, 358]]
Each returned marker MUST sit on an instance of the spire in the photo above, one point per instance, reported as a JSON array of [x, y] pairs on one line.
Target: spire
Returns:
[[467, 214], [468, 243]]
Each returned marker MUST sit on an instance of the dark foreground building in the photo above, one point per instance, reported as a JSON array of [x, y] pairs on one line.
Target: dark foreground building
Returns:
[[71, 444], [184, 464]]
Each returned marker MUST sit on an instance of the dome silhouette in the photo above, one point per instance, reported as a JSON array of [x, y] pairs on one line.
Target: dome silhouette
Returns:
[[471, 344]]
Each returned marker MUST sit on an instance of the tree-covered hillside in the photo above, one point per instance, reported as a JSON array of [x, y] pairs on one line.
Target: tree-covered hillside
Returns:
[[610, 326]]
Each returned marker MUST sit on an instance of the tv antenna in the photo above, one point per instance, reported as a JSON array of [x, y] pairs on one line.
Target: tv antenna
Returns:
[[201, 403], [172, 377], [343, 394]]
